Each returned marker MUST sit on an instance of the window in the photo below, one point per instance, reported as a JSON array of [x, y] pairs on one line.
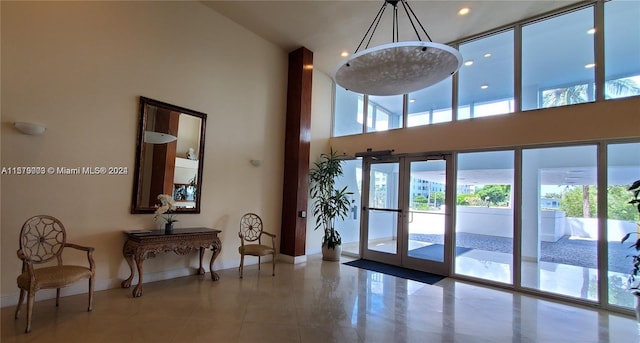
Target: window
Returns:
[[486, 77], [623, 168], [348, 113], [622, 49], [559, 245], [384, 113], [484, 215], [558, 61], [431, 105], [558, 68]]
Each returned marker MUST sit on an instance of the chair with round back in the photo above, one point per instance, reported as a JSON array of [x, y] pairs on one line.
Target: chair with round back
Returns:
[[251, 241], [43, 239]]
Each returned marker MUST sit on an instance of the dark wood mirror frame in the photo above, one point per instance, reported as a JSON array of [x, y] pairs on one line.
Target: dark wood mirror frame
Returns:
[[156, 163]]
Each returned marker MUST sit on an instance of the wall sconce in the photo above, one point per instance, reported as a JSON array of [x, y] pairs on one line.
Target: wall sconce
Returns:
[[29, 128], [256, 163]]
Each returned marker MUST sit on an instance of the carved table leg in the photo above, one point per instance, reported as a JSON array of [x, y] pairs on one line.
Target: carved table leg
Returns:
[[137, 291], [128, 256], [216, 247], [201, 270]]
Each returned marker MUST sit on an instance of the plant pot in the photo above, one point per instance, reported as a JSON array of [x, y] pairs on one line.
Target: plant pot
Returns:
[[329, 254], [168, 228]]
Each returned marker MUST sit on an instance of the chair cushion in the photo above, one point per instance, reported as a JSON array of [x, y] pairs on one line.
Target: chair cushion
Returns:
[[54, 277], [256, 250]]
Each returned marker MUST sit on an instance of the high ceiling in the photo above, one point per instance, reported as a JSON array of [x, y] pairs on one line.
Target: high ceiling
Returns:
[[329, 27]]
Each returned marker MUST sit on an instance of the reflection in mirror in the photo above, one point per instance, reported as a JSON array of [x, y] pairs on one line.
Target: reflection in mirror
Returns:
[[169, 156]]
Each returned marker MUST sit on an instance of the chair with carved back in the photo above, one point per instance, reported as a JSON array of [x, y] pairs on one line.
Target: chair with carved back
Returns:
[[43, 239], [251, 241]]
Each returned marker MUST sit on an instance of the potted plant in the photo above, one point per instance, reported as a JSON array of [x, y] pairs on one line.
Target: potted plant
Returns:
[[633, 283], [329, 203], [166, 212]]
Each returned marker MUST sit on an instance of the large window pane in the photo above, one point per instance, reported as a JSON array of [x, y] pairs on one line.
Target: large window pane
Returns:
[[349, 228], [348, 113], [622, 170], [484, 215], [622, 48], [431, 105], [384, 113], [486, 77], [559, 221], [558, 61]]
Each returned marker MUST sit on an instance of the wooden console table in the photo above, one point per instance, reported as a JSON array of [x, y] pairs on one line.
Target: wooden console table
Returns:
[[141, 244]]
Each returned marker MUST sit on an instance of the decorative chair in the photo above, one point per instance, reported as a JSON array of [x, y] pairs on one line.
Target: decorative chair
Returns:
[[251, 231], [42, 239]]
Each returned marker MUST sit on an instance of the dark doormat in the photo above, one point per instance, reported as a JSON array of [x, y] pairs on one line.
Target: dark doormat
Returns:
[[404, 273], [434, 252]]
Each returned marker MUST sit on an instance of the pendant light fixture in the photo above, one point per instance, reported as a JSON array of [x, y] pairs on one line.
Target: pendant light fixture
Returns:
[[398, 67]]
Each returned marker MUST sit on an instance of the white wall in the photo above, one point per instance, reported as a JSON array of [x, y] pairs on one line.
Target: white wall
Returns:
[[321, 109], [79, 68], [491, 221]]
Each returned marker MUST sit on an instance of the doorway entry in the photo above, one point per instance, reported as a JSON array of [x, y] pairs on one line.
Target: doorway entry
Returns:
[[406, 212]]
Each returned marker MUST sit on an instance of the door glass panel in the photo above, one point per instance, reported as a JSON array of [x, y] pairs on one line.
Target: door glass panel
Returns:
[[484, 215], [350, 226], [559, 221], [622, 171], [383, 207], [426, 210]]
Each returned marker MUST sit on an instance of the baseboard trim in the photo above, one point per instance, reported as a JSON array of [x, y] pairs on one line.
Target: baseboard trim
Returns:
[[292, 259], [100, 285]]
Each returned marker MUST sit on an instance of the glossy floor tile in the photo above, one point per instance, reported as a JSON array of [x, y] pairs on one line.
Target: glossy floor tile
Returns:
[[315, 302]]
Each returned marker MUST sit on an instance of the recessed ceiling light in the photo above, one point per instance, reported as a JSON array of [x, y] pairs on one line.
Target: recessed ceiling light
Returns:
[[464, 11], [487, 55], [484, 86], [590, 65], [412, 100], [344, 53], [468, 63], [591, 31]]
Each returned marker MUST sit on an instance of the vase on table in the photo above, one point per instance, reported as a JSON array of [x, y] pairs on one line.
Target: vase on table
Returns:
[[168, 228]]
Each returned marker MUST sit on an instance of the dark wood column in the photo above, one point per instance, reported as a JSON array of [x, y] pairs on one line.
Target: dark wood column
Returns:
[[164, 155], [295, 190]]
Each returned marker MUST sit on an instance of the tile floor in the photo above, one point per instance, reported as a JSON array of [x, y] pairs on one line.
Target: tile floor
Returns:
[[315, 302]]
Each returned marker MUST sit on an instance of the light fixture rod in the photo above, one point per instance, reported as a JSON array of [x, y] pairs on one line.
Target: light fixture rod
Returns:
[[406, 5], [374, 29], [375, 21], [395, 35]]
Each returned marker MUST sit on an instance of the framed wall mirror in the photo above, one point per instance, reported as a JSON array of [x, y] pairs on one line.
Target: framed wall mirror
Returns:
[[169, 156]]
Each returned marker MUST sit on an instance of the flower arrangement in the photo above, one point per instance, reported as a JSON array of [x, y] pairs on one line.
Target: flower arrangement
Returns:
[[167, 205]]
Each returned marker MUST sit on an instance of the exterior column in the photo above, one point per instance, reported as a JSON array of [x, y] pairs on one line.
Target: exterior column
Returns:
[[295, 190]]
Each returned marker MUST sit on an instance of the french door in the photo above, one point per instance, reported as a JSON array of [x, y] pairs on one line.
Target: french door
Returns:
[[406, 219]]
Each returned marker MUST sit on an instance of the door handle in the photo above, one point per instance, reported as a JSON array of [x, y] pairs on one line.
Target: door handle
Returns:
[[383, 209]]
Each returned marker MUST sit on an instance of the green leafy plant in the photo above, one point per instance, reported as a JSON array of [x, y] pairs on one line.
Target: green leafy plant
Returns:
[[329, 203], [633, 283]]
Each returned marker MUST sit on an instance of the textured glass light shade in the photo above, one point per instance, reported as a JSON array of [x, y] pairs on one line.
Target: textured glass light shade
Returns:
[[158, 137], [398, 68]]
